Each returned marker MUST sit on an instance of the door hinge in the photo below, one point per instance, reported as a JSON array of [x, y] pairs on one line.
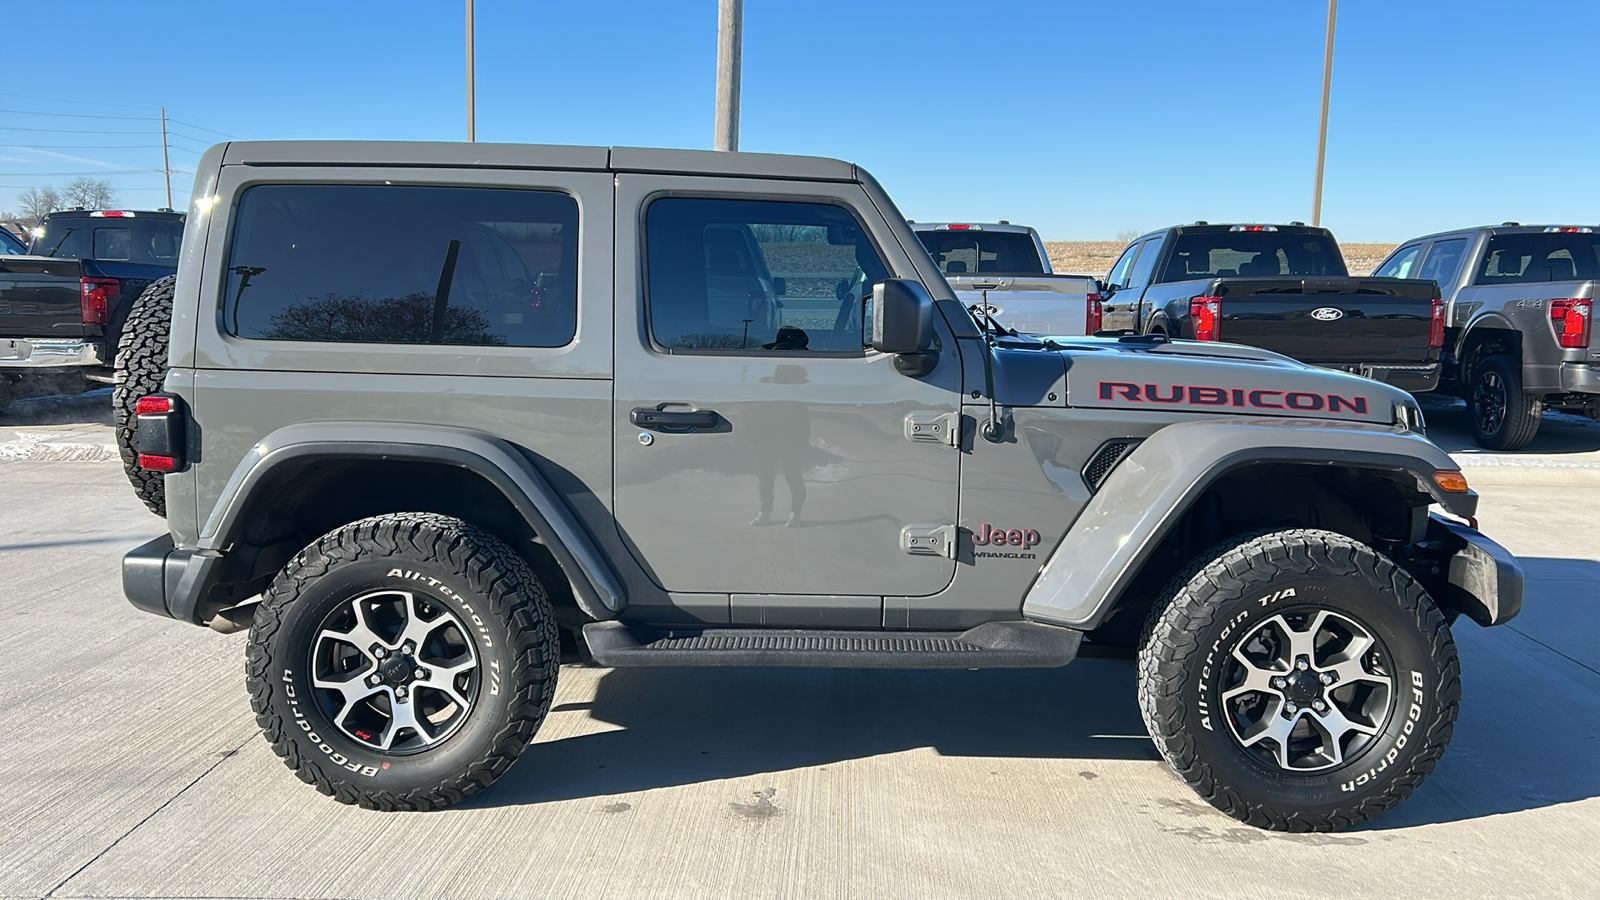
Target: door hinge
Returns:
[[934, 428], [929, 540]]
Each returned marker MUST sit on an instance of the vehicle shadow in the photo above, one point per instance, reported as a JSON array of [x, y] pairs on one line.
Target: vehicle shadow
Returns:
[[1559, 433], [91, 407], [683, 726]]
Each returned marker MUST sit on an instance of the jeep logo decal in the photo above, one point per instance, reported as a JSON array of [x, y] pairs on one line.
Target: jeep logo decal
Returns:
[[1327, 314], [987, 534]]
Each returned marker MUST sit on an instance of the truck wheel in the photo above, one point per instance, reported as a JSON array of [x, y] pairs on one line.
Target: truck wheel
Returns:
[[403, 661], [141, 367], [1298, 680], [1503, 417]]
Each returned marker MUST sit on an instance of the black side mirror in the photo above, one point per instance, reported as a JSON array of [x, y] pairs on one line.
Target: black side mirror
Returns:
[[902, 317], [779, 285]]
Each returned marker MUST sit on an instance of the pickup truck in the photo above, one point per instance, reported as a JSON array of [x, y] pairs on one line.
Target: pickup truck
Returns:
[[1519, 313], [1003, 270], [1280, 287], [63, 303]]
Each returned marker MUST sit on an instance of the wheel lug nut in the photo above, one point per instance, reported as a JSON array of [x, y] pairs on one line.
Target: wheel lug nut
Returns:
[[375, 681], [1292, 706], [406, 649], [1280, 682], [420, 673], [1319, 706], [400, 692], [379, 652], [1302, 664], [1326, 678]]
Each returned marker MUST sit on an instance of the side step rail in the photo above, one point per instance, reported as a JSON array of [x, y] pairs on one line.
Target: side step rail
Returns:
[[993, 645]]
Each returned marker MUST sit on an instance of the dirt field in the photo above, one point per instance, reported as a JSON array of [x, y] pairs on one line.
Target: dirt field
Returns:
[[1096, 257]]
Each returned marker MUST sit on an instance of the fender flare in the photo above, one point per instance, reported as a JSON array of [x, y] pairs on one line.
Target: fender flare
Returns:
[[511, 470], [1485, 321], [1150, 490]]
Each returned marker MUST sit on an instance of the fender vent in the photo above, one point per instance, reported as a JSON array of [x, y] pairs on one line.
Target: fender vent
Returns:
[[1106, 458]]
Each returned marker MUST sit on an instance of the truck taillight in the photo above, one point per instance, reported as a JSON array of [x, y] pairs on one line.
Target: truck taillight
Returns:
[[1570, 319], [99, 294], [1206, 315], [1436, 325], [1092, 315]]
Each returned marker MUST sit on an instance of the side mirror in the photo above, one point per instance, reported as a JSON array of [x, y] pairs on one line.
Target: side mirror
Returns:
[[902, 317], [780, 286]]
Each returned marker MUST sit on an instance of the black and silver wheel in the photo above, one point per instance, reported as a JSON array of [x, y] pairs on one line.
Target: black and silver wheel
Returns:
[[403, 661], [1503, 416], [1299, 680]]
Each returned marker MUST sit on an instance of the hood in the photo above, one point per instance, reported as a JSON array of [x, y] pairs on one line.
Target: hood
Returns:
[[1212, 378]]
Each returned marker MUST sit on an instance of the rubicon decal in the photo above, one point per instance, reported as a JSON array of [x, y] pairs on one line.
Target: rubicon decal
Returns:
[[1259, 398]]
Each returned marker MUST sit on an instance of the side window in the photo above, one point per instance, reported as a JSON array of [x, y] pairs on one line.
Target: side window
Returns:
[[404, 265], [1443, 262], [1401, 263], [1145, 263], [1119, 272], [757, 275]]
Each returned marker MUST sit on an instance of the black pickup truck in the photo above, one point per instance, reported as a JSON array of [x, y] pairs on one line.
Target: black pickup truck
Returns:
[[62, 305], [1281, 287]]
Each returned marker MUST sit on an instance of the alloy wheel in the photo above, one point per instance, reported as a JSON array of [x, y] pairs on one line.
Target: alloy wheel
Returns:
[[1489, 402]]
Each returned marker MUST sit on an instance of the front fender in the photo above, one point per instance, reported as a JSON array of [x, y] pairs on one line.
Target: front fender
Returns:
[[1150, 490], [597, 589]]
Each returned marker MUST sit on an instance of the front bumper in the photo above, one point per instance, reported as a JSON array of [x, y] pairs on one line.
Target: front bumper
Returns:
[[159, 578], [1580, 378], [1484, 580], [42, 353]]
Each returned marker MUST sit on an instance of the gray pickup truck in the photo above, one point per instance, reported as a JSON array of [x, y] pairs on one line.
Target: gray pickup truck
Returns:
[[1004, 271], [1519, 333], [432, 414]]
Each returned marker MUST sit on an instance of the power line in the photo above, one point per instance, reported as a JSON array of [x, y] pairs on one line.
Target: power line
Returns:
[[68, 174], [29, 112], [70, 130], [86, 147], [65, 100], [200, 127]]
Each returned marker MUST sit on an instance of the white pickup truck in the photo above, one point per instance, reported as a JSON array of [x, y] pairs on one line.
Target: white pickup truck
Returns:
[[1003, 269]]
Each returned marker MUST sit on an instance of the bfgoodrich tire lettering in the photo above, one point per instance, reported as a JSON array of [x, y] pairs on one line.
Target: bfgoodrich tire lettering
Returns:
[[506, 645], [1230, 594]]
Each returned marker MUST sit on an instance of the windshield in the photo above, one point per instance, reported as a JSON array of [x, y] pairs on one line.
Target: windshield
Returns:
[[1252, 253], [1522, 258], [152, 242], [10, 246], [986, 252]]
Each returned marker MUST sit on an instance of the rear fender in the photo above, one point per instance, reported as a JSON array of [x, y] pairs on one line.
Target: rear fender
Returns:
[[1149, 492]]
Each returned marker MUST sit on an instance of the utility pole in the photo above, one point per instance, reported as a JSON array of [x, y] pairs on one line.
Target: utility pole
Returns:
[[166, 167], [1322, 132], [471, 77], [730, 25]]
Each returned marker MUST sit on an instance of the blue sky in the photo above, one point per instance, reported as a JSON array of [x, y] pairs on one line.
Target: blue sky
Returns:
[[1083, 119]]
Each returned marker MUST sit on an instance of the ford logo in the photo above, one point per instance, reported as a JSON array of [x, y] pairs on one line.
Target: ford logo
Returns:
[[1327, 314]]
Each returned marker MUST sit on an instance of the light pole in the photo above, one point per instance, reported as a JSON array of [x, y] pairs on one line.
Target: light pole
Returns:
[[730, 25], [471, 71], [1322, 131]]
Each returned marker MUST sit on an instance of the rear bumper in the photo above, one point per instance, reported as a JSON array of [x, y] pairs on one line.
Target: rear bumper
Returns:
[[38, 353], [159, 578], [1580, 378], [1484, 580], [1413, 379]]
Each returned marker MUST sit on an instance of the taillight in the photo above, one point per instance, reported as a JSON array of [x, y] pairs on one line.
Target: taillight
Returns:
[[149, 406], [1570, 319], [160, 428], [1092, 315], [99, 294], [1205, 313], [1436, 325]]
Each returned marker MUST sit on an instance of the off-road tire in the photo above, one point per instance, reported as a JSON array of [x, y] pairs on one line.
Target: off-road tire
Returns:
[[1217, 598], [141, 368], [1517, 424], [448, 562]]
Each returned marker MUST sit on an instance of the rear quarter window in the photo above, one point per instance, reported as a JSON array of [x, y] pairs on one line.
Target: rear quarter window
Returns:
[[399, 264]]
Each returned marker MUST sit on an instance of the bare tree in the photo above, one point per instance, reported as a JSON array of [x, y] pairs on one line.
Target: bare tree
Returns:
[[36, 203], [1124, 237], [89, 193]]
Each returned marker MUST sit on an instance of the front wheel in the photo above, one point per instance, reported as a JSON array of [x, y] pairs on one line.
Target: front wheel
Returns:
[[1299, 680], [402, 661]]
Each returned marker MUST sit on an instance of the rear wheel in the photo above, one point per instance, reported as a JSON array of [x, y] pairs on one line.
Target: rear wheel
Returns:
[[1503, 416], [1299, 681], [403, 661], [141, 368]]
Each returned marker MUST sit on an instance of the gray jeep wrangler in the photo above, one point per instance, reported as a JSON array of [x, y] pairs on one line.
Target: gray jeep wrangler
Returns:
[[430, 415]]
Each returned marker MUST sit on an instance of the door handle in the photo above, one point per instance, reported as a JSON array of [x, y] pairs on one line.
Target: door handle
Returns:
[[646, 417]]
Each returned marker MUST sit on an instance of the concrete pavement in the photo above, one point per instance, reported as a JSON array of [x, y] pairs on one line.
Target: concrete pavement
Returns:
[[135, 770]]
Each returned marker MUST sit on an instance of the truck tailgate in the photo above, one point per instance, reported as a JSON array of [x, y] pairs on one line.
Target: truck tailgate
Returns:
[[1331, 320], [1032, 304], [40, 297]]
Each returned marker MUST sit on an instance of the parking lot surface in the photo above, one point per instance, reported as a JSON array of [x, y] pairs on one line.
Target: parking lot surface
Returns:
[[135, 768]]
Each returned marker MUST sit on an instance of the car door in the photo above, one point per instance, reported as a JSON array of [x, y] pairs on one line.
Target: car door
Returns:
[[1139, 278], [1118, 309], [762, 453]]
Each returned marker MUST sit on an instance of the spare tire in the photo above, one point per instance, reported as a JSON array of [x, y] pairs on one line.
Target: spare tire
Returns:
[[141, 369]]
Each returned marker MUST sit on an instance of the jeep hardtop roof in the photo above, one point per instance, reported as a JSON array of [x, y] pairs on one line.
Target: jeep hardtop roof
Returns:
[[538, 156]]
